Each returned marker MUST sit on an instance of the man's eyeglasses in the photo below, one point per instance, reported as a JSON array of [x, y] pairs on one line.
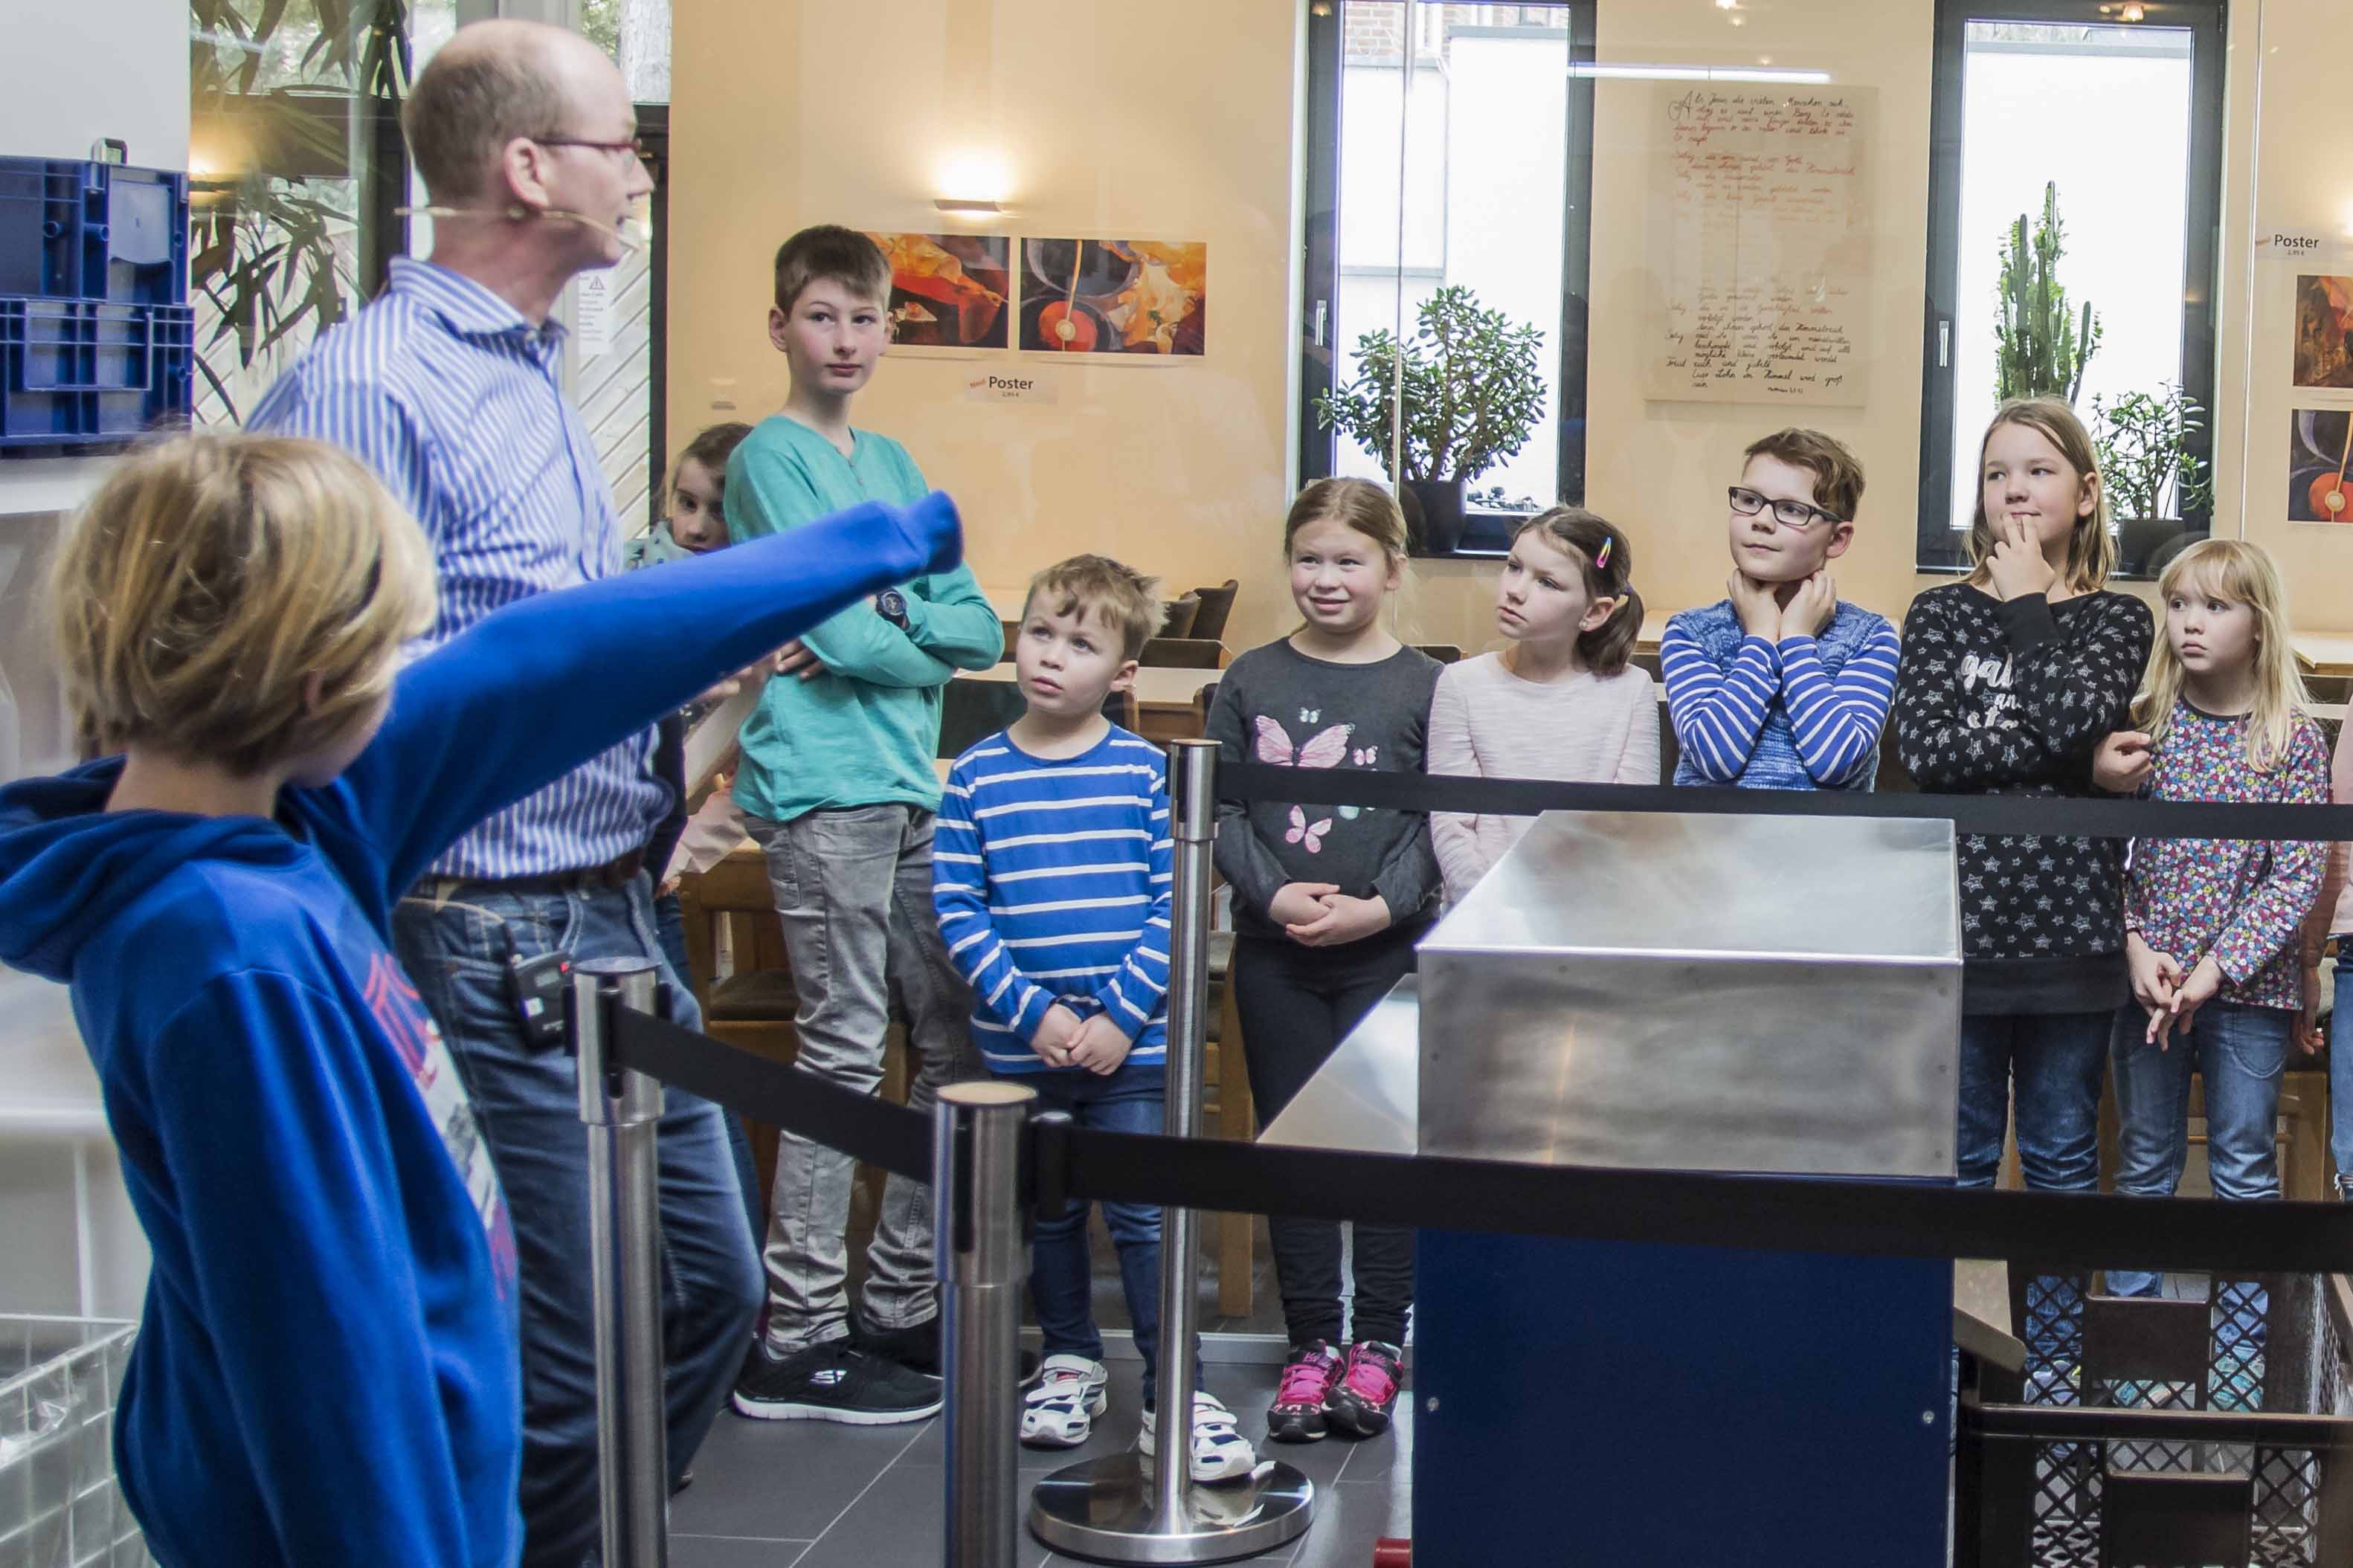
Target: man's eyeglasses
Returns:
[[1792, 513], [634, 147]]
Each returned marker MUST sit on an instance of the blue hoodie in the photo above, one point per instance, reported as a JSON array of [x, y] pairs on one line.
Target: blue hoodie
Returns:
[[326, 1372]]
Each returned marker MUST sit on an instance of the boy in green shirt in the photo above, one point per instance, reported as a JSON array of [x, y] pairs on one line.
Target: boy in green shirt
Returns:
[[838, 786]]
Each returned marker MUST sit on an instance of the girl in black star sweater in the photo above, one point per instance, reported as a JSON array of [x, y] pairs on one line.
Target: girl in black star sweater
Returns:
[[2007, 684]]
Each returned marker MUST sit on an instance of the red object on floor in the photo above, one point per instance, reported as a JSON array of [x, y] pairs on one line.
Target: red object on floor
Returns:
[[1390, 1552]]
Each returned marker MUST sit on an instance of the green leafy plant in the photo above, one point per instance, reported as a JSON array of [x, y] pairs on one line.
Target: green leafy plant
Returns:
[[272, 83], [2041, 348], [1471, 396], [2142, 440]]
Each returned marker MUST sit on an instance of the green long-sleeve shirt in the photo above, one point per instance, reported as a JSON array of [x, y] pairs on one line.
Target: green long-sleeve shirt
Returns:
[[865, 731]]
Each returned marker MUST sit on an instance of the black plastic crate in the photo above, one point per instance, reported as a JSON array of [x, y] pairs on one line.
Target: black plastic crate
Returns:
[[79, 373], [93, 231], [2214, 1432]]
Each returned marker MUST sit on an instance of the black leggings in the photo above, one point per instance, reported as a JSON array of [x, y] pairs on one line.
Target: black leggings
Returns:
[[1294, 1004]]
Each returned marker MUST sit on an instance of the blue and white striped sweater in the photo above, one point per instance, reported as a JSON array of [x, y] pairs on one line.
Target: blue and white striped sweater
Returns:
[[1803, 714], [1052, 880]]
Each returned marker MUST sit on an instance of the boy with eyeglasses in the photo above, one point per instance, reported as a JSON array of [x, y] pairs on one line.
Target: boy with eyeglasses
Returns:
[[1781, 685]]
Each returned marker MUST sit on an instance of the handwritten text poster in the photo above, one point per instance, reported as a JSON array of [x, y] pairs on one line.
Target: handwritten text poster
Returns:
[[1760, 244]]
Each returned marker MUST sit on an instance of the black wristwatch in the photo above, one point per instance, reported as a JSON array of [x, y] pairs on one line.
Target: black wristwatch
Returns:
[[891, 606]]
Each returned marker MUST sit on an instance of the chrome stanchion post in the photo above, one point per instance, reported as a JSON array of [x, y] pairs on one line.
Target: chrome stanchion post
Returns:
[[1125, 1508], [622, 1110], [984, 1261]]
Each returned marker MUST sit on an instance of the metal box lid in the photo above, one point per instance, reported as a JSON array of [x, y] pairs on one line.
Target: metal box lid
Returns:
[[1799, 887]]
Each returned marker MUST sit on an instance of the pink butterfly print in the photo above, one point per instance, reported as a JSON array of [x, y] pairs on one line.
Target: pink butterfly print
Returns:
[[1327, 750], [1368, 757], [1307, 832]]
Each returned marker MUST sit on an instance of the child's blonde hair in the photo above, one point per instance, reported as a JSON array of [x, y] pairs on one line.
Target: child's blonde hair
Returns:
[[2232, 569], [212, 575], [1117, 595], [2091, 549]]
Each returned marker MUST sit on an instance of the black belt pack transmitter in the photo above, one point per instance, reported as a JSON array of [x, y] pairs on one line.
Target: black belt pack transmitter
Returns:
[[536, 986]]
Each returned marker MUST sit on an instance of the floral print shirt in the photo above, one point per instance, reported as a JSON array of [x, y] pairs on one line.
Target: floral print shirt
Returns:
[[2241, 902]]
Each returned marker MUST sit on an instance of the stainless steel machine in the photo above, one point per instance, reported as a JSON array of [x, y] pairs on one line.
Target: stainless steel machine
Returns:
[[1766, 995]]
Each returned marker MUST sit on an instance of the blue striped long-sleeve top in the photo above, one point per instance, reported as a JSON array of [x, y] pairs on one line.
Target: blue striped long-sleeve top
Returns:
[[1802, 713], [455, 399], [1051, 879]]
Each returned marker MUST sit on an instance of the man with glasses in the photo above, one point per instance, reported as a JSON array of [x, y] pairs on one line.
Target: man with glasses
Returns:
[[448, 385], [1781, 685]]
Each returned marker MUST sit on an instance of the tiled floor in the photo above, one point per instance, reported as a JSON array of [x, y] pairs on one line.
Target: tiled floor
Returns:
[[798, 1494]]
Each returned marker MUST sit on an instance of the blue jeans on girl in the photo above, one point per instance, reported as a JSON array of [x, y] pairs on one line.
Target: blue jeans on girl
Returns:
[[2053, 1061], [2340, 1075], [2239, 1052], [1061, 1270]]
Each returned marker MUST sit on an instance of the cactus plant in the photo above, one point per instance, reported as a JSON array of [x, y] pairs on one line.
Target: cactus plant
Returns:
[[2041, 348]]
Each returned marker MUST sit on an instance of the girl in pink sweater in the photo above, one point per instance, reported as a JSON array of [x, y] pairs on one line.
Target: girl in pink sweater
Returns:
[[1559, 702]]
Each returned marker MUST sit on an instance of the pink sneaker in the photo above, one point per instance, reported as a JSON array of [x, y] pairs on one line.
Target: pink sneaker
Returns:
[[1360, 1401], [1308, 1377]]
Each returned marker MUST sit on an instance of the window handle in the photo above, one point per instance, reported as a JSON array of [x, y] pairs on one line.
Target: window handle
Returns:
[[1321, 306], [1944, 343]]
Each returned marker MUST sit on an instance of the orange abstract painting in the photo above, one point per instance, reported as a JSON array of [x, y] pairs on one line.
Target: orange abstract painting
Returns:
[[1115, 296]]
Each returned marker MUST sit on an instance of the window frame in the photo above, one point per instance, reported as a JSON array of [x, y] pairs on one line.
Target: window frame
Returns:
[[1320, 352], [1941, 548]]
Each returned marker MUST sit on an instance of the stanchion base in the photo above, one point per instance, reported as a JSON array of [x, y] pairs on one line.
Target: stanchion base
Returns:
[[1102, 1510]]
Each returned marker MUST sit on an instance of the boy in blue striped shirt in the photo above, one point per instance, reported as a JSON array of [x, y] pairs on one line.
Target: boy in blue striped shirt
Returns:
[[1050, 871], [1781, 685]]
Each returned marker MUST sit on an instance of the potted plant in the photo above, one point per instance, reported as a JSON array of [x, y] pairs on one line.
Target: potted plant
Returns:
[[2040, 348], [2142, 442], [1472, 392]]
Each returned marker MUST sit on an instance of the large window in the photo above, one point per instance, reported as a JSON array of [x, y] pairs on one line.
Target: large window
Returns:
[[2116, 107], [1449, 146]]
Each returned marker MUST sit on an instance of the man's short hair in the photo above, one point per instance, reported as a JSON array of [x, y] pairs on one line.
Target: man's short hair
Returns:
[[1096, 587], [466, 105], [1838, 472], [829, 252]]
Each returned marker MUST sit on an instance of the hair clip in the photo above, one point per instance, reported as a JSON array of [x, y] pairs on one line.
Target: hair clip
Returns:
[[1601, 558]]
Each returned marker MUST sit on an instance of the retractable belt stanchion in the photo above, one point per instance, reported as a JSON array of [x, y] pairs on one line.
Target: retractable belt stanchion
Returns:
[[984, 1261], [1116, 1509], [621, 1110]]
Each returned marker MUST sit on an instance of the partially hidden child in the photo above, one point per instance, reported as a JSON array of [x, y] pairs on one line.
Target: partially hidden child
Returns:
[[1561, 701], [1328, 902], [1782, 684], [1051, 872]]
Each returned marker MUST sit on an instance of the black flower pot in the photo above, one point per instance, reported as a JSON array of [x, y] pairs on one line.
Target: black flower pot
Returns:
[[1433, 516]]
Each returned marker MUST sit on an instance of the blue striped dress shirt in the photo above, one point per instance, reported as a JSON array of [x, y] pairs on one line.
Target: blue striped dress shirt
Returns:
[[455, 399], [1051, 879]]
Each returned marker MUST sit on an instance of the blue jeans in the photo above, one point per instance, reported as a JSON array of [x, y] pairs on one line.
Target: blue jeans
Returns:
[[2239, 1052], [1061, 1266], [455, 940], [2054, 1063], [2340, 1072]]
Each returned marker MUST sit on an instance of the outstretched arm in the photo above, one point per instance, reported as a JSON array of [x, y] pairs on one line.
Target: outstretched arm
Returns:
[[528, 694]]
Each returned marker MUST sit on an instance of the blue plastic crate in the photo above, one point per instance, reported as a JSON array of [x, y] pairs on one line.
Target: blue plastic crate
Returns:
[[93, 231], [76, 373]]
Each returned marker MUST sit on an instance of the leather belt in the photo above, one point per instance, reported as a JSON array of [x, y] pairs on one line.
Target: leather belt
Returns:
[[618, 872]]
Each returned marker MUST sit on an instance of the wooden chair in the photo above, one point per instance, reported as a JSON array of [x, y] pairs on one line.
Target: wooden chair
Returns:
[[1217, 604], [1226, 1101], [1179, 616], [972, 710], [1443, 652], [1184, 653]]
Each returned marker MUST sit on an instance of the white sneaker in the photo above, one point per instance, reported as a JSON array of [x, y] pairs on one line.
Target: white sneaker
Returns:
[[1060, 1411], [1220, 1453]]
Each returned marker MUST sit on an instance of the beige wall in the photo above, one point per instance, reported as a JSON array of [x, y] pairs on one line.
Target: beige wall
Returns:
[[1109, 122], [1112, 118], [2293, 147]]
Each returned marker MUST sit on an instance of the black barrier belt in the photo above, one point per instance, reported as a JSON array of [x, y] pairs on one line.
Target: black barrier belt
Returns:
[[1895, 1219], [860, 1125], [2009, 815]]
